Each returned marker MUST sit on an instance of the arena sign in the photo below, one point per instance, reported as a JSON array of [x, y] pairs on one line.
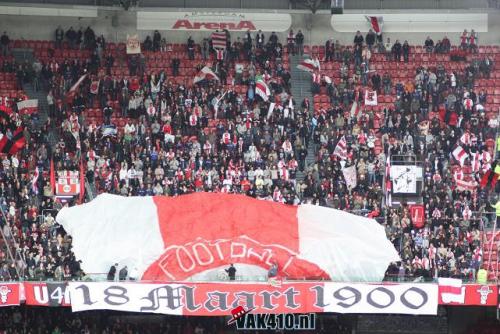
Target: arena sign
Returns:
[[209, 21], [218, 299]]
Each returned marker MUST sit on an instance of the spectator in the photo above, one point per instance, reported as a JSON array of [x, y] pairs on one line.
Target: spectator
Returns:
[[190, 48], [4, 44], [446, 45], [464, 40], [473, 41], [59, 37], [299, 42], [387, 82], [370, 39], [156, 40], [112, 272], [406, 52], [290, 42], [122, 275], [388, 49], [429, 45], [329, 50], [396, 51], [231, 272], [72, 38], [107, 111], [147, 44], [175, 66], [358, 39]]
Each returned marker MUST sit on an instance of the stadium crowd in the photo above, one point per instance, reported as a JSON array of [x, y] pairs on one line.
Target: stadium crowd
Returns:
[[148, 131]]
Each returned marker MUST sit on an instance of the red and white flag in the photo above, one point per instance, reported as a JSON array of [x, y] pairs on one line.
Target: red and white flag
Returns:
[[219, 40], [262, 90], [341, 149], [460, 155], [94, 87], [27, 107], [205, 74], [308, 65], [463, 185], [195, 235], [34, 181], [371, 98], [451, 290], [376, 23]]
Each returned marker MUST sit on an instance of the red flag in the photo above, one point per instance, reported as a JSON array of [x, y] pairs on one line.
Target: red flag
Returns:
[[52, 176], [376, 22], [82, 182]]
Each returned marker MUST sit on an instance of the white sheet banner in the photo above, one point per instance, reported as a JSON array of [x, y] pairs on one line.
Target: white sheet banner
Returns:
[[129, 297], [378, 298]]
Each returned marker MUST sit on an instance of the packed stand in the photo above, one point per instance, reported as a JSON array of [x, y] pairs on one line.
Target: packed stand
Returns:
[[429, 110], [140, 126], [27, 205]]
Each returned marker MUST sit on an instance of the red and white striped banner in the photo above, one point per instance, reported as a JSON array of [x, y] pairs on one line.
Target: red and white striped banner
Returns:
[[219, 40], [205, 74], [341, 148], [376, 22], [460, 155], [262, 90], [308, 65]]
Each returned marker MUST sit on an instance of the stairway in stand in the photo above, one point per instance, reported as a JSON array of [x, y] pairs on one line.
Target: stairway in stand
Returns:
[[26, 55], [490, 254], [301, 88]]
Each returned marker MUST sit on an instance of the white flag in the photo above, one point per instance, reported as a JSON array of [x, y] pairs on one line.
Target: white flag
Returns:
[[350, 177], [270, 110]]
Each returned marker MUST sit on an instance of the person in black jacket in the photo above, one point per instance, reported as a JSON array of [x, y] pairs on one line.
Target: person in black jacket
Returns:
[[299, 41], [370, 39], [231, 272], [328, 50], [59, 37], [190, 48], [122, 275], [156, 40], [358, 39], [175, 66], [429, 44], [4, 43], [406, 51], [112, 272], [396, 50]]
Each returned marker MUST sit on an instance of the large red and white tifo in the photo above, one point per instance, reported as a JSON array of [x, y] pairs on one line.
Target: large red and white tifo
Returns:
[[196, 236]]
